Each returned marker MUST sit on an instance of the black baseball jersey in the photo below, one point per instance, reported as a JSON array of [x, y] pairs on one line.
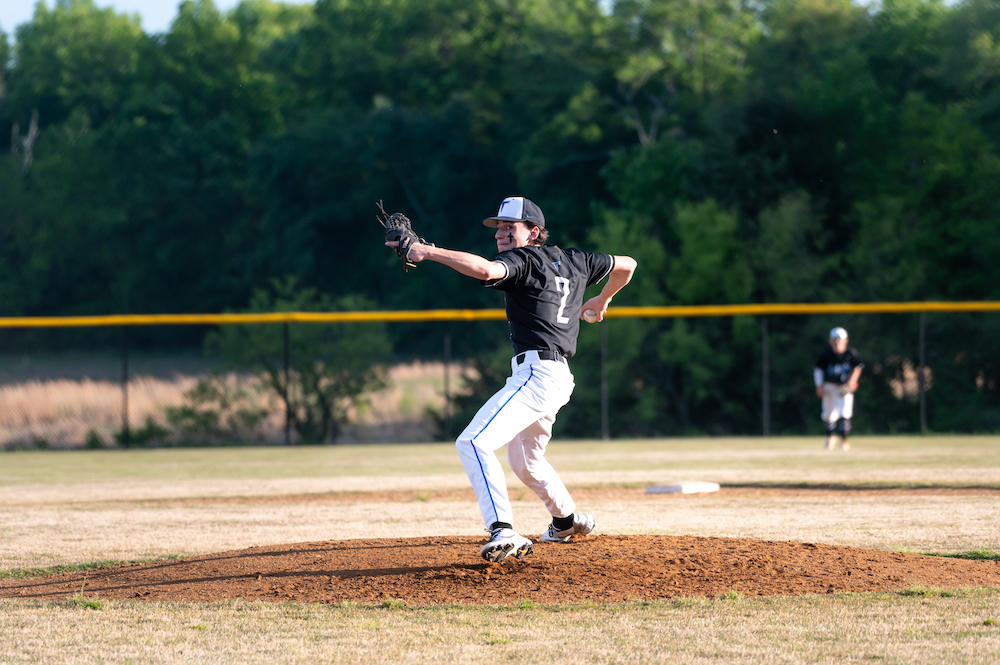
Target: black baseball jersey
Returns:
[[543, 290], [838, 367]]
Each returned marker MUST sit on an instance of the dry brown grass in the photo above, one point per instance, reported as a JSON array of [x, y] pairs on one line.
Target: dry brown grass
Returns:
[[64, 412], [72, 531], [922, 626], [74, 507], [57, 508], [404, 408]]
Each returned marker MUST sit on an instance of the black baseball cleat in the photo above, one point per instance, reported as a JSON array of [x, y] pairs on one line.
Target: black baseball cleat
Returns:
[[583, 524], [503, 543]]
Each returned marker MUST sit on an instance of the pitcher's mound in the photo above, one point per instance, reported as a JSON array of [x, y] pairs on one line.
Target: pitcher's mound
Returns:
[[449, 570]]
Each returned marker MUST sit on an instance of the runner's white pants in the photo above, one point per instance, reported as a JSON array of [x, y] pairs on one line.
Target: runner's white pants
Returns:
[[519, 416], [835, 405]]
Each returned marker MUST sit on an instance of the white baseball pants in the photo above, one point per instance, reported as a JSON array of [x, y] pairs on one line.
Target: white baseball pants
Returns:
[[519, 416], [835, 405]]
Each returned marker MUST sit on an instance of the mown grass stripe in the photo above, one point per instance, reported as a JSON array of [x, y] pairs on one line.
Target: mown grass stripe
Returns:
[[22, 573]]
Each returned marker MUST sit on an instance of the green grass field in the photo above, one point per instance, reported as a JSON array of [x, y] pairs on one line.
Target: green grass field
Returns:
[[75, 508]]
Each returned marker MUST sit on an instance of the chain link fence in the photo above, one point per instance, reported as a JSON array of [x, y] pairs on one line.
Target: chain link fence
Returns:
[[74, 389], [284, 382]]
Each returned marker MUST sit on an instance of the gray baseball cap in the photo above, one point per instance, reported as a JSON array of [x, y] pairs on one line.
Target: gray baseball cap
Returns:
[[517, 209], [838, 333]]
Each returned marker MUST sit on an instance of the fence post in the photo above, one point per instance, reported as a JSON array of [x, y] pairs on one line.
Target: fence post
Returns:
[[126, 435], [920, 375], [605, 398], [765, 378], [447, 387], [288, 406]]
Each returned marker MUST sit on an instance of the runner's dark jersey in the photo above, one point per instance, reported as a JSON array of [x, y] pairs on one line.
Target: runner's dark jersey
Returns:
[[543, 290], [837, 368]]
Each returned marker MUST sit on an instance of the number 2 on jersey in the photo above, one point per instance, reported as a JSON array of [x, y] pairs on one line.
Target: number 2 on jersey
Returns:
[[562, 285]]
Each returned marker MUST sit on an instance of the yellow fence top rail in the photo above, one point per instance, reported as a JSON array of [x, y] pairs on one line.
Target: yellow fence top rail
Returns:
[[489, 314]]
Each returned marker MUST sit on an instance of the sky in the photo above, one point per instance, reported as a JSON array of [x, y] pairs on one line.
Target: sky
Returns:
[[156, 15]]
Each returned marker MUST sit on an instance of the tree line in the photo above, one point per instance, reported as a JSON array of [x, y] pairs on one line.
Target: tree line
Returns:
[[742, 151]]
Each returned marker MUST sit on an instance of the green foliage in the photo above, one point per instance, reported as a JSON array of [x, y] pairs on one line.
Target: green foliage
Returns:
[[212, 66], [266, 22], [93, 441], [975, 555], [633, 235], [328, 369], [788, 150], [23, 573], [150, 433], [787, 257], [222, 409], [83, 602], [676, 56], [75, 56], [710, 266], [921, 591], [4, 54]]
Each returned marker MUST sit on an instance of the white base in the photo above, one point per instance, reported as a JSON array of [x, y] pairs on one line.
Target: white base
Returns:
[[689, 487]]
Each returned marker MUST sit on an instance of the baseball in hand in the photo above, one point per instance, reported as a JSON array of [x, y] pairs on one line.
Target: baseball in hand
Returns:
[[590, 316]]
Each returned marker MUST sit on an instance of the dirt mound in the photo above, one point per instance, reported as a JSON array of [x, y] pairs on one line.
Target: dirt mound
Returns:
[[449, 570]]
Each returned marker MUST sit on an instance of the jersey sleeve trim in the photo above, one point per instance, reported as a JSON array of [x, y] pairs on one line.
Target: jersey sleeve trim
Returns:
[[610, 268], [494, 282]]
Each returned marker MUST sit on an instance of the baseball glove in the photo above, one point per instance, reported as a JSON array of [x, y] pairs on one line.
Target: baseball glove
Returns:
[[398, 227]]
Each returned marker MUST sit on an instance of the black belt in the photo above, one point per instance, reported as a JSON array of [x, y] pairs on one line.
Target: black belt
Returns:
[[543, 354]]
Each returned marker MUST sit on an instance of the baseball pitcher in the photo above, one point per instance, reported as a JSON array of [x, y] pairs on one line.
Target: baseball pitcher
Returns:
[[543, 288]]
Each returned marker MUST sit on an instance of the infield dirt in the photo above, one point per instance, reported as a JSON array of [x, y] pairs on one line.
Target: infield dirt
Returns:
[[448, 569]]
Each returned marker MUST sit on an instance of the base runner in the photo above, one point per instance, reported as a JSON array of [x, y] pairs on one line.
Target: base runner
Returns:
[[836, 377], [543, 288]]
